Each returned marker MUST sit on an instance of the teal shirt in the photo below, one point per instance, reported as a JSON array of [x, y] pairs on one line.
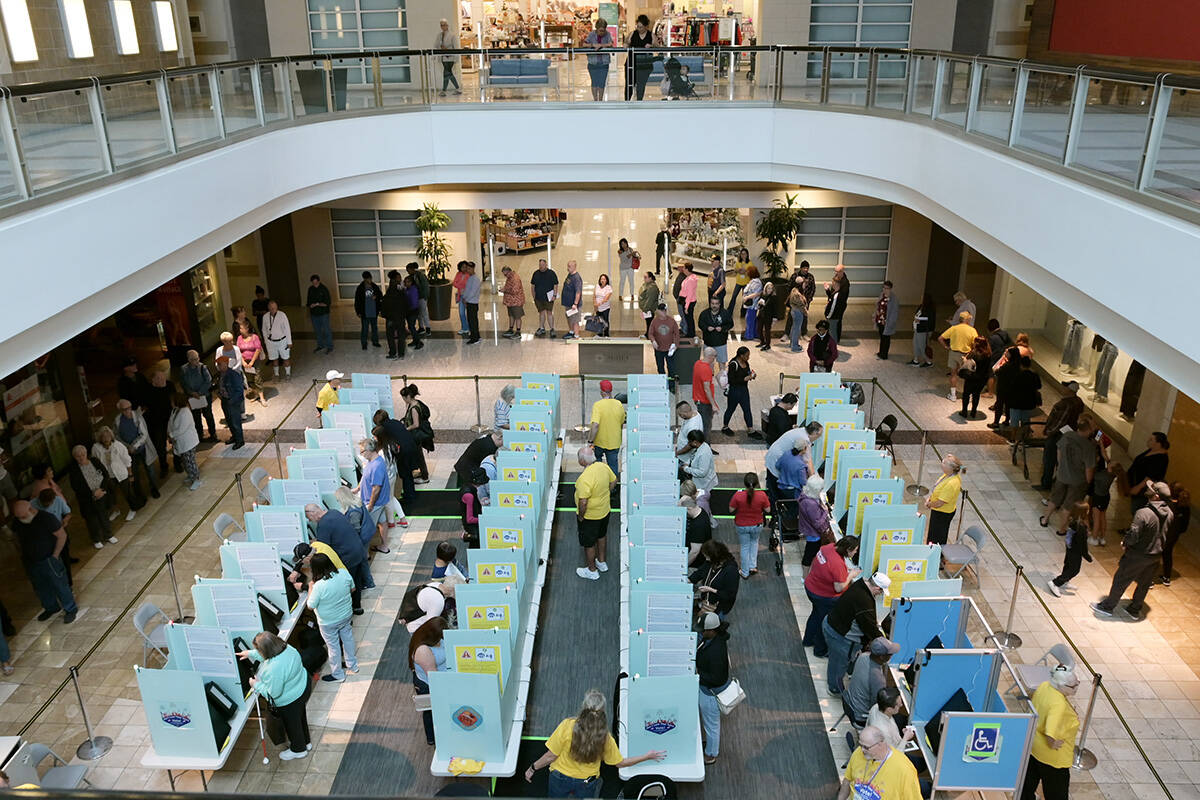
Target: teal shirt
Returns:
[[330, 597], [282, 678]]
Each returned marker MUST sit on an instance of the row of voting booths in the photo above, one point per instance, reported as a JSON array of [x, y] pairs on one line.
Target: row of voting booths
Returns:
[[970, 738], [199, 701], [658, 705], [478, 702]]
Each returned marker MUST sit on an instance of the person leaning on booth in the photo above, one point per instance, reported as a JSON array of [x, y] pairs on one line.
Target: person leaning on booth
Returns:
[[285, 684], [1053, 749], [576, 748], [878, 770]]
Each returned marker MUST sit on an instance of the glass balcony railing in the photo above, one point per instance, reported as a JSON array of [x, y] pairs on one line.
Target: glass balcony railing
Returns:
[[1133, 133]]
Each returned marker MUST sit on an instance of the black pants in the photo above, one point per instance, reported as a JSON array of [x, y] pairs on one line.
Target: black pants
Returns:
[[473, 320], [405, 465], [412, 318], [1001, 410], [705, 412], [604, 316], [1168, 553], [295, 721], [739, 395], [640, 77], [939, 526], [1049, 460], [1055, 781], [394, 331], [970, 396], [206, 413], [689, 314], [885, 342], [361, 573], [1072, 561], [1136, 568]]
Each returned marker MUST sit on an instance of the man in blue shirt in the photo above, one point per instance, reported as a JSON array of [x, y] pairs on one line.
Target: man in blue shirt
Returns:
[[793, 473], [335, 530], [543, 281], [196, 381], [572, 296], [470, 297], [375, 491], [231, 387]]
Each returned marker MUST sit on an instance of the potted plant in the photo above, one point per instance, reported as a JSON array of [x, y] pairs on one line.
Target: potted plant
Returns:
[[777, 227], [435, 251]]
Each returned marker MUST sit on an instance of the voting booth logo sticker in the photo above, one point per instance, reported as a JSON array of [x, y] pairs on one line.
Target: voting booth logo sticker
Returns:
[[983, 745], [177, 716], [660, 722], [467, 718]]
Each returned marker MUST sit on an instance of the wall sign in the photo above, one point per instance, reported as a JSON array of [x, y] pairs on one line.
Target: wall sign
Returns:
[[467, 718], [983, 745], [177, 715]]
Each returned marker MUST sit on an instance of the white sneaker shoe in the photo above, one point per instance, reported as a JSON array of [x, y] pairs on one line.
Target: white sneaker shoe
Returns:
[[98, 545], [1054, 590], [195, 485], [290, 755], [112, 540], [602, 566], [130, 515], [953, 395], [589, 574], [113, 515]]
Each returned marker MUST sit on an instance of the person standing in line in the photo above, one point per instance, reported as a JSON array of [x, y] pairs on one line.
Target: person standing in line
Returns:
[[663, 331], [976, 371], [375, 491], [422, 282], [597, 65], [1149, 466], [251, 352], [1006, 371], [779, 417], [426, 654], [877, 770], [593, 504], [470, 293], [182, 433], [808, 285], [114, 457], [700, 468], [1064, 414], [648, 297], [88, 479], [1077, 455], [231, 388], [158, 413], [514, 302], [822, 349], [750, 294], [42, 539], [282, 679], [922, 327], [660, 247], [852, 621], [572, 297], [197, 383], [712, 668], [543, 282], [626, 257], [704, 388], [958, 340], [942, 500], [334, 530], [867, 677], [367, 300], [837, 290], [1053, 750], [1181, 518], [741, 277], [796, 439], [1025, 395], [813, 518], [412, 312], [602, 302], [716, 279], [1141, 562], [460, 280], [689, 421], [740, 375], [393, 309], [608, 419], [400, 450], [887, 313], [1077, 549], [687, 290], [258, 306], [447, 39], [963, 305], [677, 295], [132, 432], [830, 575], [797, 313], [278, 331], [639, 67], [318, 302], [715, 324], [748, 506], [329, 598], [131, 385], [767, 311]]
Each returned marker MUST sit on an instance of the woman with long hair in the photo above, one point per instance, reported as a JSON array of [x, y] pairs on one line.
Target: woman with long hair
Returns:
[[975, 379], [329, 598], [748, 506], [576, 748], [602, 298], [716, 578], [1005, 371], [625, 257], [251, 352], [830, 575], [416, 419], [427, 654], [741, 277]]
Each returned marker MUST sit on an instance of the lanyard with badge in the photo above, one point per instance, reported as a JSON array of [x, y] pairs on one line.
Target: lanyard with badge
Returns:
[[864, 790]]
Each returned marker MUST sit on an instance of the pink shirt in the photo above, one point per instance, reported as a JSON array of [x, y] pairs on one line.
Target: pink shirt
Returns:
[[687, 290], [249, 346]]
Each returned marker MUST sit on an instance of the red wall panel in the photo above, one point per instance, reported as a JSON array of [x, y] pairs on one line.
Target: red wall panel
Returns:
[[1161, 29]]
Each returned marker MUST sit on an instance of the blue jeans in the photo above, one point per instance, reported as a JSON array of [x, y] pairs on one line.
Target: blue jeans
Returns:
[[233, 409], [1020, 416], [565, 786], [339, 642], [814, 636], [839, 657], [835, 329], [751, 323], [373, 324], [49, 579], [609, 456], [798, 319], [598, 74], [323, 330], [462, 317], [710, 720], [748, 539]]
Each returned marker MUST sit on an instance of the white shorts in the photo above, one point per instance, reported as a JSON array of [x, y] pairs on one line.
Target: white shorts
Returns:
[[278, 350]]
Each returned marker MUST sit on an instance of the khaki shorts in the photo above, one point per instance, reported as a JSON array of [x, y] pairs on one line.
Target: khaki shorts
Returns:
[[544, 305], [954, 361], [515, 312], [1067, 495]]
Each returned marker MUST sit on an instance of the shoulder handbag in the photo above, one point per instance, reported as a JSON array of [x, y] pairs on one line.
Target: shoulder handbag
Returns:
[[594, 324], [731, 696], [637, 260]]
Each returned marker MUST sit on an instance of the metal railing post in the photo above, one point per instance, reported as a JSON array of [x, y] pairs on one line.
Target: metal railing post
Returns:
[[917, 489], [93, 747], [289, 102], [377, 80], [214, 94], [781, 383], [164, 111], [327, 63], [170, 559], [97, 112], [1084, 758], [974, 89], [1075, 125], [256, 89], [241, 493], [583, 426], [872, 77], [1006, 639], [12, 147], [962, 512], [278, 455], [1018, 104], [1160, 107], [779, 56], [939, 78], [826, 65], [478, 427], [871, 404]]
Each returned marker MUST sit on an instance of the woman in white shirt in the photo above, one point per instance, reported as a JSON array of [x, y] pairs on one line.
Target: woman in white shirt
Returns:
[[625, 256], [750, 295], [181, 430], [116, 460], [447, 40], [702, 469], [602, 300]]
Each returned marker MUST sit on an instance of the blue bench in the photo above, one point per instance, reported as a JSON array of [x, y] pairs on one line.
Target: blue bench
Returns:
[[695, 65], [518, 72]]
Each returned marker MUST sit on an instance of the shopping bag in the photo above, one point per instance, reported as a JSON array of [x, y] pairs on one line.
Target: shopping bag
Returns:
[[731, 696]]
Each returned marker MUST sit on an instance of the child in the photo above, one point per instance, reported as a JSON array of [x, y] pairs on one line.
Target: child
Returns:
[[1077, 542], [445, 563]]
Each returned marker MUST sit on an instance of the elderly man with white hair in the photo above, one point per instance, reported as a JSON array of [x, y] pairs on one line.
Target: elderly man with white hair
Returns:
[[1141, 562], [1053, 749], [876, 769], [503, 406], [375, 491], [88, 479], [593, 504]]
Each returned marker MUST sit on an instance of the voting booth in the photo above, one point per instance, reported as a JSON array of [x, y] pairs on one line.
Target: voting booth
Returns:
[[341, 442], [377, 382], [353, 417]]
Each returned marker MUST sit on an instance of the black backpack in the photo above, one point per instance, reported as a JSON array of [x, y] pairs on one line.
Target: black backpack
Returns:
[[409, 610]]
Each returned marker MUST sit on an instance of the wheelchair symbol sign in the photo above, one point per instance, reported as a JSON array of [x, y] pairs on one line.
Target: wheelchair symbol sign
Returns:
[[983, 745]]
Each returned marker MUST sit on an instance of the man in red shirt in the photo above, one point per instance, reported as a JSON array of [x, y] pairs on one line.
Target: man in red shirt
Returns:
[[664, 338], [704, 388]]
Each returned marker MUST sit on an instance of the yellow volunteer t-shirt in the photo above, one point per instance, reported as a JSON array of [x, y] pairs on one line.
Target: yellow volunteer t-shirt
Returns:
[[327, 397], [896, 778], [609, 416], [742, 278], [592, 485], [961, 337], [559, 743], [947, 490], [328, 551], [1056, 720]]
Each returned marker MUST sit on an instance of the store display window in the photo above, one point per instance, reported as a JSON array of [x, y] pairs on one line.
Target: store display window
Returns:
[[35, 425]]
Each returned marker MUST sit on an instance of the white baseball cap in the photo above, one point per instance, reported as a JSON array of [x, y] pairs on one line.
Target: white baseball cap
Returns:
[[332, 374], [881, 580]]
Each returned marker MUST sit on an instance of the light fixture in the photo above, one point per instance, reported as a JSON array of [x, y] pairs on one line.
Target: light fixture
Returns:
[[75, 24], [125, 27], [164, 26], [21, 46]]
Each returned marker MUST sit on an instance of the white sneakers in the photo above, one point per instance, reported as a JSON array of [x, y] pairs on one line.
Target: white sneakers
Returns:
[[113, 515], [588, 574], [98, 545], [1053, 587], [953, 395], [130, 515], [112, 540], [602, 566], [290, 755]]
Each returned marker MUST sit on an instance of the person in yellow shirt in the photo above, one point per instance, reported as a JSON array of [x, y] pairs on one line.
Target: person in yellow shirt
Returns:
[[327, 398], [877, 770], [958, 340], [1053, 749], [608, 417], [593, 503], [740, 271], [576, 748], [942, 501]]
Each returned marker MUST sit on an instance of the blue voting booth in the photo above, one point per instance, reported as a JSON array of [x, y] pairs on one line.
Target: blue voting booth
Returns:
[[382, 386], [351, 396], [355, 418], [834, 417], [854, 466], [284, 526], [841, 441], [657, 526], [339, 440], [884, 525]]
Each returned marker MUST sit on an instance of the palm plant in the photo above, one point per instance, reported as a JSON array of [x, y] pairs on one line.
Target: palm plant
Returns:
[[778, 227], [434, 249]]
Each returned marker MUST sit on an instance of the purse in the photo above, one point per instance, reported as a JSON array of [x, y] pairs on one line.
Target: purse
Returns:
[[637, 260], [595, 324], [731, 696]]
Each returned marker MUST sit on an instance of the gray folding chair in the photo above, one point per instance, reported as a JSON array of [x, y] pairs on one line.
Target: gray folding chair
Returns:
[[225, 527], [259, 478], [154, 636], [963, 554], [23, 768], [1031, 676]]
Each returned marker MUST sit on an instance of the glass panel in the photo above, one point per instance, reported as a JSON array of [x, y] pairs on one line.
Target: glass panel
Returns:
[[390, 5], [872, 34], [1046, 115], [869, 211], [404, 215], [1177, 171], [397, 260], [192, 110], [865, 258], [400, 244], [887, 14], [993, 117], [865, 243], [402, 228], [810, 226], [848, 84], [868, 226], [1113, 134], [310, 88], [353, 83], [135, 126], [834, 14], [827, 258], [8, 183], [836, 213], [401, 79], [922, 102], [350, 213], [382, 19], [800, 76], [353, 228], [57, 137], [344, 245], [832, 34], [892, 81], [384, 40], [818, 242], [341, 40], [356, 260], [334, 22], [274, 87], [833, 2], [955, 89], [237, 98]]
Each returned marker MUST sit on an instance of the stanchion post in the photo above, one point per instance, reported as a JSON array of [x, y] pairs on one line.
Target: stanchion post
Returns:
[[170, 559], [278, 454], [1084, 758], [962, 512], [917, 489], [781, 383], [871, 405], [1006, 639], [95, 746], [492, 268], [241, 494], [478, 427], [583, 426]]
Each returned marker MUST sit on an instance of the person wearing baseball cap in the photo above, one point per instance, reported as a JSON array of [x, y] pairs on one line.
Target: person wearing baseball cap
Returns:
[[327, 398], [852, 621], [712, 668], [1142, 560], [867, 677], [608, 417]]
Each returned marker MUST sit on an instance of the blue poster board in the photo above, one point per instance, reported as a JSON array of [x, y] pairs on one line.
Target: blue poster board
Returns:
[[890, 524], [651, 464], [514, 466], [359, 397], [820, 396], [340, 441], [870, 492], [838, 442], [531, 418], [281, 525], [984, 752], [945, 672], [467, 722], [541, 380], [833, 418], [915, 622], [662, 490], [858, 464], [663, 715], [177, 713], [528, 441], [498, 567], [646, 380], [209, 651], [810, 381], [227, 603], [488, 607], [907, 562], [655, 439], [258, 563]]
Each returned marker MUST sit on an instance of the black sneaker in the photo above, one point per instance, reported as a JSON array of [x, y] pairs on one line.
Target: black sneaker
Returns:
[[45, 615], [727, 431], [70, 617], [154, 493], [755, 435]]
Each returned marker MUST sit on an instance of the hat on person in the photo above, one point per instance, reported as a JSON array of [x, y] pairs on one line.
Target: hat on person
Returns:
[[880, 646], [333, 374], [1072, 385], [606, 386], [662, 306], [301, 550], [1161, 489], [710, 622], [129, 362], [881, 580]]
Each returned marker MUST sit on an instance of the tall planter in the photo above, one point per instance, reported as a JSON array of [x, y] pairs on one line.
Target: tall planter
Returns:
[[777, 228], [441, 299], [436, 252]]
